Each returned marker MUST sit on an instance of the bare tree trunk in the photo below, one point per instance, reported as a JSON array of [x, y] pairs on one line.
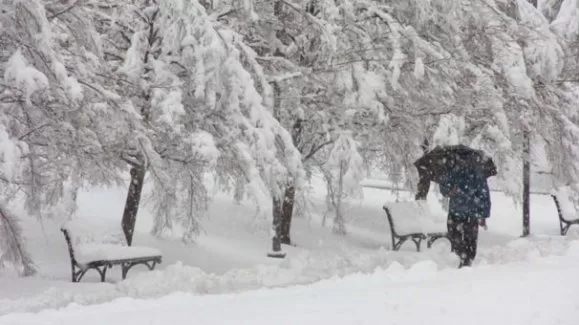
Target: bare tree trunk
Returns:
[[277, 204], [339, 224], [527, 173], [287, 210], [423, 182], [289, 199], [526, 184], [132, 203], [276, 242], [423, 188]]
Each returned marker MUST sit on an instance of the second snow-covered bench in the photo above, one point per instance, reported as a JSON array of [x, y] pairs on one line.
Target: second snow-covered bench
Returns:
[[99, 247], [568, 215], [414, 220]]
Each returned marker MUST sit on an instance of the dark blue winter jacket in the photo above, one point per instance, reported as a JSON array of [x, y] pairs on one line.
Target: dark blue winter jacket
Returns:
[[469, 193]]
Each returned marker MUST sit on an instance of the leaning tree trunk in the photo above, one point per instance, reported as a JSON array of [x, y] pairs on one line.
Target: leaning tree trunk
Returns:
[[12, 248], [287, 210], [132, 203]]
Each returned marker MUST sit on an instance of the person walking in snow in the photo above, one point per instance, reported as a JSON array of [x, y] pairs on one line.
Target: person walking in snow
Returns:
[[469, 207]]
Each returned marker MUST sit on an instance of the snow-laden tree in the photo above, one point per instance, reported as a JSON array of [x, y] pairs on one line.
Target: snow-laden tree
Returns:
[[282, 56], [559, 96], [13, 253], [334, 74], [495, 65], [499, 67], [343, 172], [168, 89], [186, 77], [535, 60], [59, 127], [375, 68]]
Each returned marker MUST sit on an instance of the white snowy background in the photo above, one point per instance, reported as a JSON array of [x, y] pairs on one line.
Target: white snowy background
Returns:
[[228, 107]]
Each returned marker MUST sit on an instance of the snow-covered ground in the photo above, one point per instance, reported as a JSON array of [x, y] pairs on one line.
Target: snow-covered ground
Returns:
[[539, 291], [229, 259]]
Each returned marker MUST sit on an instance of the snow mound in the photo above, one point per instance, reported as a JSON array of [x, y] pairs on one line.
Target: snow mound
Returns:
[[303, 268], [525, 249]]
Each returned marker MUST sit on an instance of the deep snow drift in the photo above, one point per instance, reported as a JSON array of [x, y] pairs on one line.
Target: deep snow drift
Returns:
[[524, 293], [230, 256]]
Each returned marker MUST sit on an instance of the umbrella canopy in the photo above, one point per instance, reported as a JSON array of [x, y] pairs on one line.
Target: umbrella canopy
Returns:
[[445, 159]]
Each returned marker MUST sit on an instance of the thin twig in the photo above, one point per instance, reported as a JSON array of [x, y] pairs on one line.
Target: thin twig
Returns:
[[67, 9]]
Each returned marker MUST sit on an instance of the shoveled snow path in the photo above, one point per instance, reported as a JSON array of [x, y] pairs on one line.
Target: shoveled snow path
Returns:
[[541, 291]]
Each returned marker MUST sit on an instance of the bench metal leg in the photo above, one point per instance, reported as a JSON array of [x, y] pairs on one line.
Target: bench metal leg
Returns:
[[77, 275], [432, 239], [397, 245], [402, 239], [125, 267], [417, 241], [564, 227], [103, 273], [567, 226]]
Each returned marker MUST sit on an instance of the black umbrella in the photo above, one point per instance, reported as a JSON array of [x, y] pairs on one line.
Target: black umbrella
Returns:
[[445, 159]]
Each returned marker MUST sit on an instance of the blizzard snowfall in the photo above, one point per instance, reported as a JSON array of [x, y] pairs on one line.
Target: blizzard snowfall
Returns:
[[201, 130], [225, 277]]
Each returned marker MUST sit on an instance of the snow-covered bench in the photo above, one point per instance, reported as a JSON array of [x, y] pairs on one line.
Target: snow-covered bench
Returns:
[[99, 247], [414, 220], [568, 215]]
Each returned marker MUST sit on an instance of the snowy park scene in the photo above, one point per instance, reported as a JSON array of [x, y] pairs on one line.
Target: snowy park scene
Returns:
[[289, 162]]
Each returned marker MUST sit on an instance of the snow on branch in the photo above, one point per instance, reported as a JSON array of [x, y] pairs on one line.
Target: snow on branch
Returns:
[[12, 250]]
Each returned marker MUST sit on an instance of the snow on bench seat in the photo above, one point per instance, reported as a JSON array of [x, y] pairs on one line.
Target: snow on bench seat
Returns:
[[413, 217], [564, 195], [94, 244], [414, 220], [88, 253]]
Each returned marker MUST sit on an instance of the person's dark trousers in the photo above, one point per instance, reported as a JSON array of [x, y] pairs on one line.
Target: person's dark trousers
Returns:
[[463, 236]]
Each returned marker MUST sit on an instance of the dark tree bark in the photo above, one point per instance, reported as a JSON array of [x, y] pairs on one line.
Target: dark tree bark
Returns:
[[526, 184], [424, 182], [287, 210], [423, 188], [527, 174], [276, 241], [132, 203], [289, 199]]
